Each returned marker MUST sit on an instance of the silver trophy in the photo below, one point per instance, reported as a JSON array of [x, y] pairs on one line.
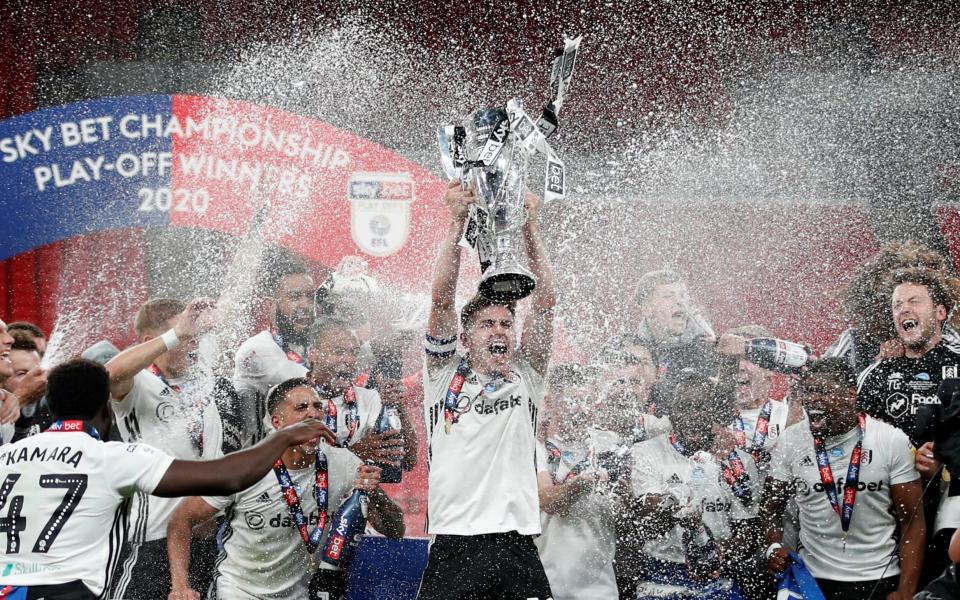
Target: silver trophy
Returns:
[[491, 149]]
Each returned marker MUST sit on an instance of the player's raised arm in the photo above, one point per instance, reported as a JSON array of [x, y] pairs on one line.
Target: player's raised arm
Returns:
[[442, 326], [239, 470], [189, 514], [537, 338]]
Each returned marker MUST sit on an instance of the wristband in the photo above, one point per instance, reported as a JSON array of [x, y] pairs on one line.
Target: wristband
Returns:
[[170, 339], [772, 548]]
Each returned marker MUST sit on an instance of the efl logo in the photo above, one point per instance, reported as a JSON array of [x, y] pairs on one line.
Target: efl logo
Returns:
[[380, 211]]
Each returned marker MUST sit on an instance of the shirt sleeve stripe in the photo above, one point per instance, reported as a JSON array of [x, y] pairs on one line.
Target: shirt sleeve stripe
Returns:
[[440, 348]]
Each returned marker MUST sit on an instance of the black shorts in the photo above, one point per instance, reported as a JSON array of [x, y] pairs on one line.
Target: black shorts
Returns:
[[74, 590], [492, 566], [144, 569], [858, 590], [327, 584]]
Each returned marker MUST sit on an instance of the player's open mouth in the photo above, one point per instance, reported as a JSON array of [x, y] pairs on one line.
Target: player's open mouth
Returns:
[[498, 348], [5, 355], [818, 418], [908, 324]]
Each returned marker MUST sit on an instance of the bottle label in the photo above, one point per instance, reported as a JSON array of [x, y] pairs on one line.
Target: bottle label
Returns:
[[790, 354]]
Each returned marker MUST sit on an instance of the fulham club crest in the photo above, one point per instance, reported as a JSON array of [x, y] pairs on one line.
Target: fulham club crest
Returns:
[[380, 211]]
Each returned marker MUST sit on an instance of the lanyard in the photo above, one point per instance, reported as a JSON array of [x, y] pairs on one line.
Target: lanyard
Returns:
[[760, 433], [291, 355], [451, 411], [196, 424], [733, 472], [330, 414], [74, 425], [320, 489], [853, 476]]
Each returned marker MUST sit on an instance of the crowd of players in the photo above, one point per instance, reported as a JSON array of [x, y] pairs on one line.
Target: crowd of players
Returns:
[[673, 464]]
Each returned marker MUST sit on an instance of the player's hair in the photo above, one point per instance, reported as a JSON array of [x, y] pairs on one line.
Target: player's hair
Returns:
[[697, 394], [278, 393], [836, 368], [478, 303], [78, 388], [23, 340], [650, 280], [867, 302], [154, 314], [932, 280], [26, 326], [324, 324], [278, 263]]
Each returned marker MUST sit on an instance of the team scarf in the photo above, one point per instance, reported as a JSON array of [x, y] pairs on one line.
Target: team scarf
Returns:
[[321, 485], [732, 470], [352, 418], [291, 355], [845, 512], [196, 425], [451, 410], [555, 456], [73, 426]]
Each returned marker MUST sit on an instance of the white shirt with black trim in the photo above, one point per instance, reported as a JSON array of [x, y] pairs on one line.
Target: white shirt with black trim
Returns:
[[696, 482], [368, 409], [155, 414], [577, 547], [887, 460], [261, 364], [70, 497], [263, 553], [6, 433], [775, 428], [482, 474]]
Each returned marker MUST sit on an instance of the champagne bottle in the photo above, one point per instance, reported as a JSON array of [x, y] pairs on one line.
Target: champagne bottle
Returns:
[[346, 528], [389, 420], [777, 355]]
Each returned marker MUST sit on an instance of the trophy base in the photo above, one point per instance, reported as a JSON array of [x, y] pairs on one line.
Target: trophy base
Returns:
[[507, 287]]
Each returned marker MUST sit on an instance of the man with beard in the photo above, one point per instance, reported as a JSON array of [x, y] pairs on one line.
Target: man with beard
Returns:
[[854, 480], [481, 417], [351, 411], [279, 352], [687, 493], [157, 400], [263, 554], [903, 390]]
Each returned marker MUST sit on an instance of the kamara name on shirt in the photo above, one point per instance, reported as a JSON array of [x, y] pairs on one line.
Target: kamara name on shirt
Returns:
[[66, 454]]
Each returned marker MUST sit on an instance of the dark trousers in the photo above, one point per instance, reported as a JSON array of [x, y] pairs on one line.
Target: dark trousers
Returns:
[[328, 585], [857, 590], [492, 566], [74, 590], [144, 571]]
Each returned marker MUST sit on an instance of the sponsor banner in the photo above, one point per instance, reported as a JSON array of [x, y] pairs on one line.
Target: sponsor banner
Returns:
[[191, 161]]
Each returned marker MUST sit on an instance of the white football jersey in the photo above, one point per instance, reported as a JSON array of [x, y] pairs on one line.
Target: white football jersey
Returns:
[[697, 482], [6, 433], [184, 424], [262, 364], [368, 409], [870, 549], [775, 428], [577, 547], [69, 495], [263, 553], [483, 472]]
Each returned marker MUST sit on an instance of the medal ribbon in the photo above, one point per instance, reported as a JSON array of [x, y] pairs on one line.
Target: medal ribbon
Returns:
[[853, 475], [291, 355], [760, 433], [733, 472], [74, 425], [451, 412], [320, 489]]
